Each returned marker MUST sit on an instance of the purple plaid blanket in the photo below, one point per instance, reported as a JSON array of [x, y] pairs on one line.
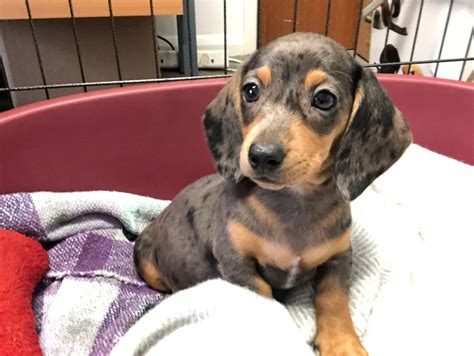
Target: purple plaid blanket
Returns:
[[92, 294]]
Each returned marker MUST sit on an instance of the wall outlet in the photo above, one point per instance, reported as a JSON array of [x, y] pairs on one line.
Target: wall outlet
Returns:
[[210, 59], [168, 59]]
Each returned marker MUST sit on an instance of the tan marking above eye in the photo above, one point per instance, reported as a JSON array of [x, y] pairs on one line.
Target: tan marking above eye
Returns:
[[317, 255], [265, 75], [314, 78], [266, 252]]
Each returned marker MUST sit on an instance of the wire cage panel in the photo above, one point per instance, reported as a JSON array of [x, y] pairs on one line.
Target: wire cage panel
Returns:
[[67, 53]]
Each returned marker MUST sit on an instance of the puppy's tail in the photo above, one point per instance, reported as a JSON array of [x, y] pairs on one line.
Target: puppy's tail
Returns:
[[144, 256]]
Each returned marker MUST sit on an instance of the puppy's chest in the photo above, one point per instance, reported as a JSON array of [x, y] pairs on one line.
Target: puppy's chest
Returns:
[[281, 261], [283, 267], [293, 275]]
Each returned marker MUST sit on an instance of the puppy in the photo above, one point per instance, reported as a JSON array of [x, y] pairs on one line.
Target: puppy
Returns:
[[296, 134]]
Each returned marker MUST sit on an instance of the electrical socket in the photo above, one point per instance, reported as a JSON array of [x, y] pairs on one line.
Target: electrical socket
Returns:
[[168, 59], [211, 59]]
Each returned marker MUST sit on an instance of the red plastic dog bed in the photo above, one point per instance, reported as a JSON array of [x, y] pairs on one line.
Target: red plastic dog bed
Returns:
[[149, 140]]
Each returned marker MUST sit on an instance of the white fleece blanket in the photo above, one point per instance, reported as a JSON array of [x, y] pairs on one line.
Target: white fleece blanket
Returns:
[[411, 294]]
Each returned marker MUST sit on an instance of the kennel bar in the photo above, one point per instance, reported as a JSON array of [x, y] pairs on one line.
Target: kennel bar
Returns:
[[463, 59], [114, 41], [154, 36], [359, 18], [420, 12], [467, 53], [187, 45], [224, 4], [448, 17], [295, 14], [388, 26], [37, 50], [179, 79], [328, 16], [76, 40]]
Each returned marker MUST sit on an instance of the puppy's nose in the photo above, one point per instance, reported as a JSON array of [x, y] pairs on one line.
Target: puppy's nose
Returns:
[[266, 157]]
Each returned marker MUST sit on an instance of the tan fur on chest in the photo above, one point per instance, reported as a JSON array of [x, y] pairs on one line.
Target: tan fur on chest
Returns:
[[275, 254]]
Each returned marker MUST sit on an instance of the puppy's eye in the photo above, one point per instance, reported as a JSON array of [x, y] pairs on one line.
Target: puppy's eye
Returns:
[[324, 100], [251, 92]]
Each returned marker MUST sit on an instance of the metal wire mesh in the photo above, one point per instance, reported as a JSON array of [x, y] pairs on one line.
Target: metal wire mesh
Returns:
[[359, 17], [78, 47], [154, 36], [448, 17], [467, 53], [190, 47], [328, 17], [37, 50], [420, 12], [225, 36], [114, 41]]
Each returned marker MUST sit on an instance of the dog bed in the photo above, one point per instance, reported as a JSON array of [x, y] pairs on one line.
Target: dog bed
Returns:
[[407, 263]]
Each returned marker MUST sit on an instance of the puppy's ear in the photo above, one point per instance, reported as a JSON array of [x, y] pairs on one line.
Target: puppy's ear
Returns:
[[222, 124], [375, 138]]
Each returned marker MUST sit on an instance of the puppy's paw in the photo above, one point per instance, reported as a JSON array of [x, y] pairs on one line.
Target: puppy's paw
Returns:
[[262, 287], [339, 344]]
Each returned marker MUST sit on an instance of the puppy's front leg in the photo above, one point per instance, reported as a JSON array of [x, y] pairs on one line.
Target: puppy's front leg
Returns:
[[336, 335], [239, 269], [243, 272]]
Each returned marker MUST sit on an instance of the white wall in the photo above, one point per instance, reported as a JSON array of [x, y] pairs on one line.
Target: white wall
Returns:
[[241, 26], [430, 35]]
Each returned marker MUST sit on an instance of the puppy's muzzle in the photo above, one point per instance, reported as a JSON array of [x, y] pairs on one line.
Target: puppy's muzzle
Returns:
[[266, 159]]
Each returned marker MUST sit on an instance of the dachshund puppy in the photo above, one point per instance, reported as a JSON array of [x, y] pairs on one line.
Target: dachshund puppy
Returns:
[[299, 131]]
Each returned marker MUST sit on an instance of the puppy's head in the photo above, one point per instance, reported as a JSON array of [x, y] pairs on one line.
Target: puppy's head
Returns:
[[300, 111]]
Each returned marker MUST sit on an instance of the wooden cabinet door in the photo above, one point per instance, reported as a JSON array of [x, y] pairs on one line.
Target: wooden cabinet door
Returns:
[[278, 18]]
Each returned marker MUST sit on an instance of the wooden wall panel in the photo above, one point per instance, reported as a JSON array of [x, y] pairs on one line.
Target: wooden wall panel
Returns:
[[343, 21], [312, 16], [276, 19], [365, 35]]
